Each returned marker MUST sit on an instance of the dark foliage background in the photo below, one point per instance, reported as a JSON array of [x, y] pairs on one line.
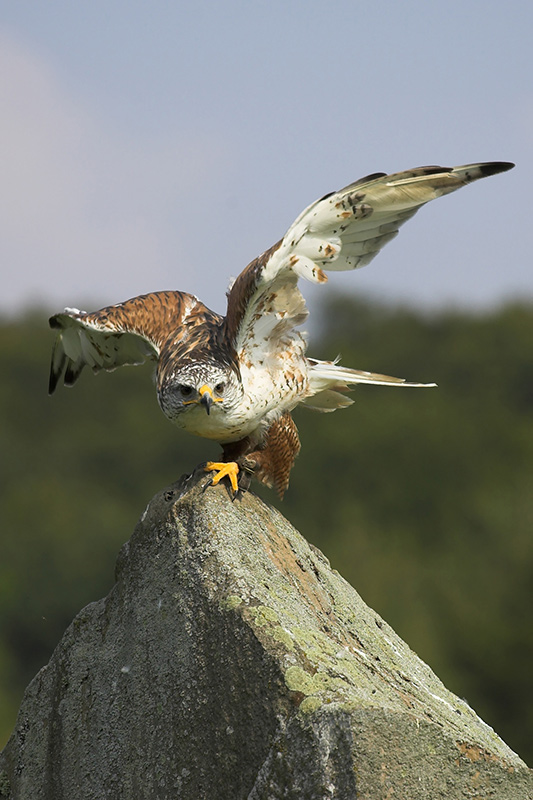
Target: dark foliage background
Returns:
[[423, 499]]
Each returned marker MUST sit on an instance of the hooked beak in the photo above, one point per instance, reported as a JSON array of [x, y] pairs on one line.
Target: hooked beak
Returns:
[[206, 397]]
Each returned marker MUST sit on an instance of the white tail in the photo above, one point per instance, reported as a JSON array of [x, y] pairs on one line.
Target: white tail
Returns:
[[328, 381]]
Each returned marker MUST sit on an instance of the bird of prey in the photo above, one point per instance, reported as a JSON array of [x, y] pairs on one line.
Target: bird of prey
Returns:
[[236, 379]]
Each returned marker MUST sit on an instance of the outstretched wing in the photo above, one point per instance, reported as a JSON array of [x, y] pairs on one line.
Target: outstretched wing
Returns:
[[342, 231], [124, 334]]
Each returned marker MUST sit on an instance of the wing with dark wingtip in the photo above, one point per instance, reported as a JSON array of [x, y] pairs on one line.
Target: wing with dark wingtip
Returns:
[[342, 231], [125, 334]]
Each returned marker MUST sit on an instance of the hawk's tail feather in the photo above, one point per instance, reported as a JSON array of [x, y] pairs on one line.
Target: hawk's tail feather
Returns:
[[330, 375], [329, 399]]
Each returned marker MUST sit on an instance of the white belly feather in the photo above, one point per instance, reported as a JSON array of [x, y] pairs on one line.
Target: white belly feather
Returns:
[[268, 392]]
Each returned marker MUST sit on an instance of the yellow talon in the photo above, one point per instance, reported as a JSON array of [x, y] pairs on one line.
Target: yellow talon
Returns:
[[229, 468]]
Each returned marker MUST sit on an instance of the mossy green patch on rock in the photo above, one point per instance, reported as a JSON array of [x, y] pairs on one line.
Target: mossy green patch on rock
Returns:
[[231, 602], [310, 704], [283, 637], [263, 615], [298, 680]]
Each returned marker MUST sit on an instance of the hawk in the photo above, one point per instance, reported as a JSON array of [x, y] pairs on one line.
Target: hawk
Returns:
[[236, 379]]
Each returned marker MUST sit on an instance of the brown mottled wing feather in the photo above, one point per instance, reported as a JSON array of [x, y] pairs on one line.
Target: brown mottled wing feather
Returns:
[[242, 291], [342, 231], [124, 334]]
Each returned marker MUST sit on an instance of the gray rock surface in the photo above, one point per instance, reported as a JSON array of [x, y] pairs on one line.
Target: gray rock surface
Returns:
[[230, 661]]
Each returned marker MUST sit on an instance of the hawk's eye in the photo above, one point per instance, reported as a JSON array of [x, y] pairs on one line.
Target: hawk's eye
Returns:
[[186, 390], [220, 387]]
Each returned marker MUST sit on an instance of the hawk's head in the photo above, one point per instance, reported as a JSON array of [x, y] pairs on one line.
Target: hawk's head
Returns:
[[199, 386]]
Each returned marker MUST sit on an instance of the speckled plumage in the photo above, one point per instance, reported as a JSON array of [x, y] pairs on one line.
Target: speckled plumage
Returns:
[[248, 370]]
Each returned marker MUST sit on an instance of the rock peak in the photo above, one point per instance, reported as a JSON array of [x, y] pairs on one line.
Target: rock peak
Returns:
[[230, 661]]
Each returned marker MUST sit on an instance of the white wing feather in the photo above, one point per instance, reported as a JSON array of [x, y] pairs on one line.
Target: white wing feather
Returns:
[[342, 231], [347, 229]]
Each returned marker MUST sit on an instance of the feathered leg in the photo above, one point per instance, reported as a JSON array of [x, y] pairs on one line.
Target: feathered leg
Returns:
[[273, 461]]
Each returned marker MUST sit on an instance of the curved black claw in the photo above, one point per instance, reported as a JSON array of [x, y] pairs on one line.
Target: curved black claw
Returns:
[[208, 483]]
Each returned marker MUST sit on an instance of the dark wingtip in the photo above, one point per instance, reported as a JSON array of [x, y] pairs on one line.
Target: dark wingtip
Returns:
[[52, 382], [56, 369], [54, 322], [73, 371], [494, 167], [57, 365]]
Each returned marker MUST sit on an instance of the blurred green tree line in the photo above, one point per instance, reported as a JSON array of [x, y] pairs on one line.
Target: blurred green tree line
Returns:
[[423, 499]]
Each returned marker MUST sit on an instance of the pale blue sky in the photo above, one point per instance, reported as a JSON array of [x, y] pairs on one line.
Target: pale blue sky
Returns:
[[156, 145]]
